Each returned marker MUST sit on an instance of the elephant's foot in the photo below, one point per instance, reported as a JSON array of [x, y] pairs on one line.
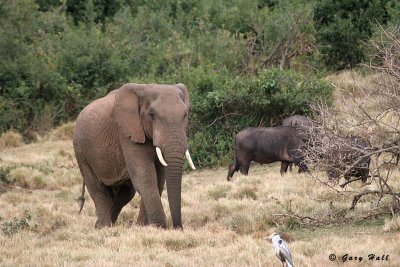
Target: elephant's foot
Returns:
[[145, 222], [142, 220], [101, 224]]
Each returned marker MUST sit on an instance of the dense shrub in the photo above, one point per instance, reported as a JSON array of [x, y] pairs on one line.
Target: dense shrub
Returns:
[[344, 26]]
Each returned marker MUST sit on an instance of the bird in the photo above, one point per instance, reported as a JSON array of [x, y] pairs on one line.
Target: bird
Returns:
[[281, 249]]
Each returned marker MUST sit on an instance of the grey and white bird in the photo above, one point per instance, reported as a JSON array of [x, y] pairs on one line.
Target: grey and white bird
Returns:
[[281, 249]]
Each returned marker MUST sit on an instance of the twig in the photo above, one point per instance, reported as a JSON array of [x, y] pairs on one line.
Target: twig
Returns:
[[226, 115]]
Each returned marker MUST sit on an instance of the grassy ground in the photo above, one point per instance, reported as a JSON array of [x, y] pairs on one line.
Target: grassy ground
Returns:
[[225, 222]]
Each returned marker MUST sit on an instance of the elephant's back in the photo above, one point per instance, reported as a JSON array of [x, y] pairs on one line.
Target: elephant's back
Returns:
[[94, 117]]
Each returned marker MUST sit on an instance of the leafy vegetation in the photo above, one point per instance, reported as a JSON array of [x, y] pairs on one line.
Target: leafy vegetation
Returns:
[[246, 63], [344, 26], [15, 225]]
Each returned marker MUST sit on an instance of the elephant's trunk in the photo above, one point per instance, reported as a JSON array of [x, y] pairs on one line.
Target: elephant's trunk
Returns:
[[173, 173]]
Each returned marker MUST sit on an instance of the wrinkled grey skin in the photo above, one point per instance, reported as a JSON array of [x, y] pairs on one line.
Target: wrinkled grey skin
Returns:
[[266, 145], [114, 142], [358, 147], [302, 125]]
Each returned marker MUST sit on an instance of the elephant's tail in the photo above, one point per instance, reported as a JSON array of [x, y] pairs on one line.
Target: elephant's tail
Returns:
[[81, 199]]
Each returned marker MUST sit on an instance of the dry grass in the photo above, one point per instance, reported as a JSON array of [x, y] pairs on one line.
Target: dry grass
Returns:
[[225, 222], [11, 139], [349, 82], [63, 132]]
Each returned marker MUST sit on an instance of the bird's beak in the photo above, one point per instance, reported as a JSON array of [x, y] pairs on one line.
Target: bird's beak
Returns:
[[269, 238]]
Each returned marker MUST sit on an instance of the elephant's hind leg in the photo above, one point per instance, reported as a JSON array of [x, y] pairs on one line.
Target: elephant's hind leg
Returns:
[[103, 201], [100, 194], [121, 196]]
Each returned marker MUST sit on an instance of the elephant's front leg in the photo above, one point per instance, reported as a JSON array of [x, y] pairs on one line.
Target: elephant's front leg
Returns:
[[142, 218], [150, 200]]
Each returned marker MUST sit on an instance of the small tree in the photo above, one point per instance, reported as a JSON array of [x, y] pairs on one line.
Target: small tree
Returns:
[[371, 112]]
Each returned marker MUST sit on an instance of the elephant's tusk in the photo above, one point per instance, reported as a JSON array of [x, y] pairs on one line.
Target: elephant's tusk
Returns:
[[160, 157], [187, 154]]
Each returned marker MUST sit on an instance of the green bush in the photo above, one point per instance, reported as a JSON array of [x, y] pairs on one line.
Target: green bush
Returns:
[[5, 174], [344, 26], [11, 227]]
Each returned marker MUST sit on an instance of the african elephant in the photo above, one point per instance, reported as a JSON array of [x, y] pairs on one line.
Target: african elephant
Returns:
[[133, 140], [267, 145]]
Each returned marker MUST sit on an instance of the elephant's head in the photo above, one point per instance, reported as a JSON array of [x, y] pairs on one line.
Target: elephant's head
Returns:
[[158, 113]]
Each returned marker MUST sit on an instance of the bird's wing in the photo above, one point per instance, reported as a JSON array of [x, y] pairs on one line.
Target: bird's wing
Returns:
[[277, 250], [284, 249]]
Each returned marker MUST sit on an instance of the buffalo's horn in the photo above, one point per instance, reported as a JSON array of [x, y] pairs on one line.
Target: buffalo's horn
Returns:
[[160, 157], [187, 154]]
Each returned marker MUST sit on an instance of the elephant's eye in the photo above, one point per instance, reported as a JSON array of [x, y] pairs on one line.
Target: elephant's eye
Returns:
[[152, 115]]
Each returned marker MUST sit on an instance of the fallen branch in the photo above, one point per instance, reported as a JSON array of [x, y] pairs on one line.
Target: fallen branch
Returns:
[[357, 197]]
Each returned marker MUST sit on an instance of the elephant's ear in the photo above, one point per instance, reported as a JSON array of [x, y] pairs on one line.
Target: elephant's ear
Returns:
[[126, 112], [186, 100], [184, 90]]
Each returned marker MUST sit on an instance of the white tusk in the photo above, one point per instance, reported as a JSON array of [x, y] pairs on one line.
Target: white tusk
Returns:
[[187, 154], [160, 157]]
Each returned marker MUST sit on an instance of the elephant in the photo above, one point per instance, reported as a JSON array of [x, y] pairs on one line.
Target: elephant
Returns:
[[267, 145], [134, 140], [302, 124], [351, 152]]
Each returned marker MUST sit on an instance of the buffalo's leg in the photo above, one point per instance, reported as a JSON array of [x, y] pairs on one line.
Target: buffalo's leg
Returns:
[[244, 168], [234, 167], [284, 166]]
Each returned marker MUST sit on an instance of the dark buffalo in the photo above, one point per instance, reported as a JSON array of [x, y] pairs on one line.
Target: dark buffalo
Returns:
[[353, 151], [303, 125], [267, 145], [297, 121]]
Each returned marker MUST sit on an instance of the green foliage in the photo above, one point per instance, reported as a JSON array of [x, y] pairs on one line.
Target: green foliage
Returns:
[[5, 174], [344, 26], [11, 227]]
